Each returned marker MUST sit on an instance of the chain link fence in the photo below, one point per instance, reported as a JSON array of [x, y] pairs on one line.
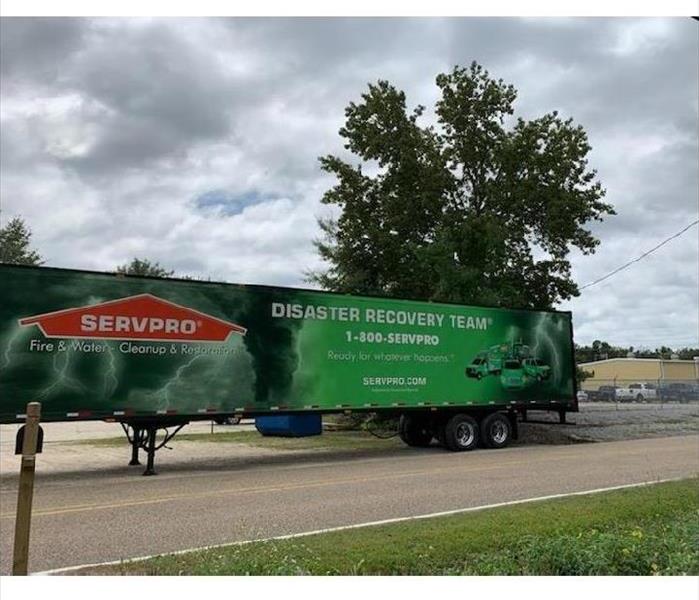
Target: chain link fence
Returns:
[[641, 391]]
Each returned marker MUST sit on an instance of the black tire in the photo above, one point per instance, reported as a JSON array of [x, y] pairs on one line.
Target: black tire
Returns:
[[461, 433], [640, 398], [496, 431], [414, 431], [479, 376]]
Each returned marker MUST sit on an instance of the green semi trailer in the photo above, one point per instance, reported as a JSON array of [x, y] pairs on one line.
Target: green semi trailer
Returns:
[[155, 354]]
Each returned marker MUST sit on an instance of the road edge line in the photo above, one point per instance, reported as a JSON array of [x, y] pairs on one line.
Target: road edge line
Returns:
[[445, 513]]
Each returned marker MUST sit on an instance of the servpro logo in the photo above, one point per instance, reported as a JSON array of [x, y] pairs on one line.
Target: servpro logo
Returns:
[[143, 317]]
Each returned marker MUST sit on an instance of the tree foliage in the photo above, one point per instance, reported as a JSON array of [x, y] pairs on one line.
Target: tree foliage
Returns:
[[601, 350], [473, 209], [145, 268], [15, 244]]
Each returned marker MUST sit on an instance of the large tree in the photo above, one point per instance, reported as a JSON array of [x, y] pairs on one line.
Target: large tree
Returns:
[[144, 267], [15, 244], [479, 208]]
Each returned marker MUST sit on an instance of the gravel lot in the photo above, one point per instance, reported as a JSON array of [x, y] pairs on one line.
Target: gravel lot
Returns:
[[605, 422]]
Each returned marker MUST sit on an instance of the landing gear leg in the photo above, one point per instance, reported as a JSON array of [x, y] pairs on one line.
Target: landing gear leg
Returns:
[[135, 441], [150, 450], [142, 434], [135, 444]]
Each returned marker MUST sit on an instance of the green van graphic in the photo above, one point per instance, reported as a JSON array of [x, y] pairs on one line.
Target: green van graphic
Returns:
[[513, 362], [533, 367], [513, 376]]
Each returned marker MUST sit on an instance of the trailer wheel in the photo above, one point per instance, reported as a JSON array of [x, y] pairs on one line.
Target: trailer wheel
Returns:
[[414, 431], [496, 431], [461, 433]]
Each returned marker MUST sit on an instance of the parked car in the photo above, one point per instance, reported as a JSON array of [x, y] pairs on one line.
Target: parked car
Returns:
[[227, 420], [639, 392], [605, 393], [679, 392]]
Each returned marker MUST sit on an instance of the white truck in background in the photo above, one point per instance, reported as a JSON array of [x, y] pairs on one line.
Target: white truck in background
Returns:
[[639, 392]]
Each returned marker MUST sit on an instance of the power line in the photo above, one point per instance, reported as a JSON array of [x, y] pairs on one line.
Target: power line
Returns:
[[635, 260]]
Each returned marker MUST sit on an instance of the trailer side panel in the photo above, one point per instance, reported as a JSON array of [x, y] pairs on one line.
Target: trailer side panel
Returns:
[[94, 345]]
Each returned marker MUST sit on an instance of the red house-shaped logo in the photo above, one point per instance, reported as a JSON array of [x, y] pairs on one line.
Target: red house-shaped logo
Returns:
[[143, 317]]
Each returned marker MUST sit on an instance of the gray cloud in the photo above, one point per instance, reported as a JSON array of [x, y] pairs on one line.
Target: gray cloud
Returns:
[[194, 142], [33, 49]]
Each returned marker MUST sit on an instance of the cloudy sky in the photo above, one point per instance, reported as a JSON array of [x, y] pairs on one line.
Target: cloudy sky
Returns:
[[194, 142]]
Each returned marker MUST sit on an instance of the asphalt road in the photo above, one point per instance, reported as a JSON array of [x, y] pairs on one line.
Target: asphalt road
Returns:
[[103, 517]]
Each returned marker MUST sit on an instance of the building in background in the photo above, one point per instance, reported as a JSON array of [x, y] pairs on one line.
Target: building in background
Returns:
[[647, 379], [642, 369]]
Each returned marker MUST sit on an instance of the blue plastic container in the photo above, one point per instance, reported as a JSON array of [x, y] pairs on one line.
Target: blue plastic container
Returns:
[[289, 425]]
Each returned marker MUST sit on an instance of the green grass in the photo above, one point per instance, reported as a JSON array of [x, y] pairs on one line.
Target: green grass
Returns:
[[337, 439], [651, 530]]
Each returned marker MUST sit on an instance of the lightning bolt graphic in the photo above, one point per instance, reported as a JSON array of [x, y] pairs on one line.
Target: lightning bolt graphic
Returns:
[[62, 376], [18, 333], [162, 395], [110, 378], [542, 337]]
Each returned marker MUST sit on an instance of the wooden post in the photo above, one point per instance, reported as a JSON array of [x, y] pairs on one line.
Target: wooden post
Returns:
[[25, 493]]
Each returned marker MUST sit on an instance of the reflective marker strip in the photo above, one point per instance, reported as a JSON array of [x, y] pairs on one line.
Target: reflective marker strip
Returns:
[[273, 408], [73, 414], [21, 416], [117, 413]]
